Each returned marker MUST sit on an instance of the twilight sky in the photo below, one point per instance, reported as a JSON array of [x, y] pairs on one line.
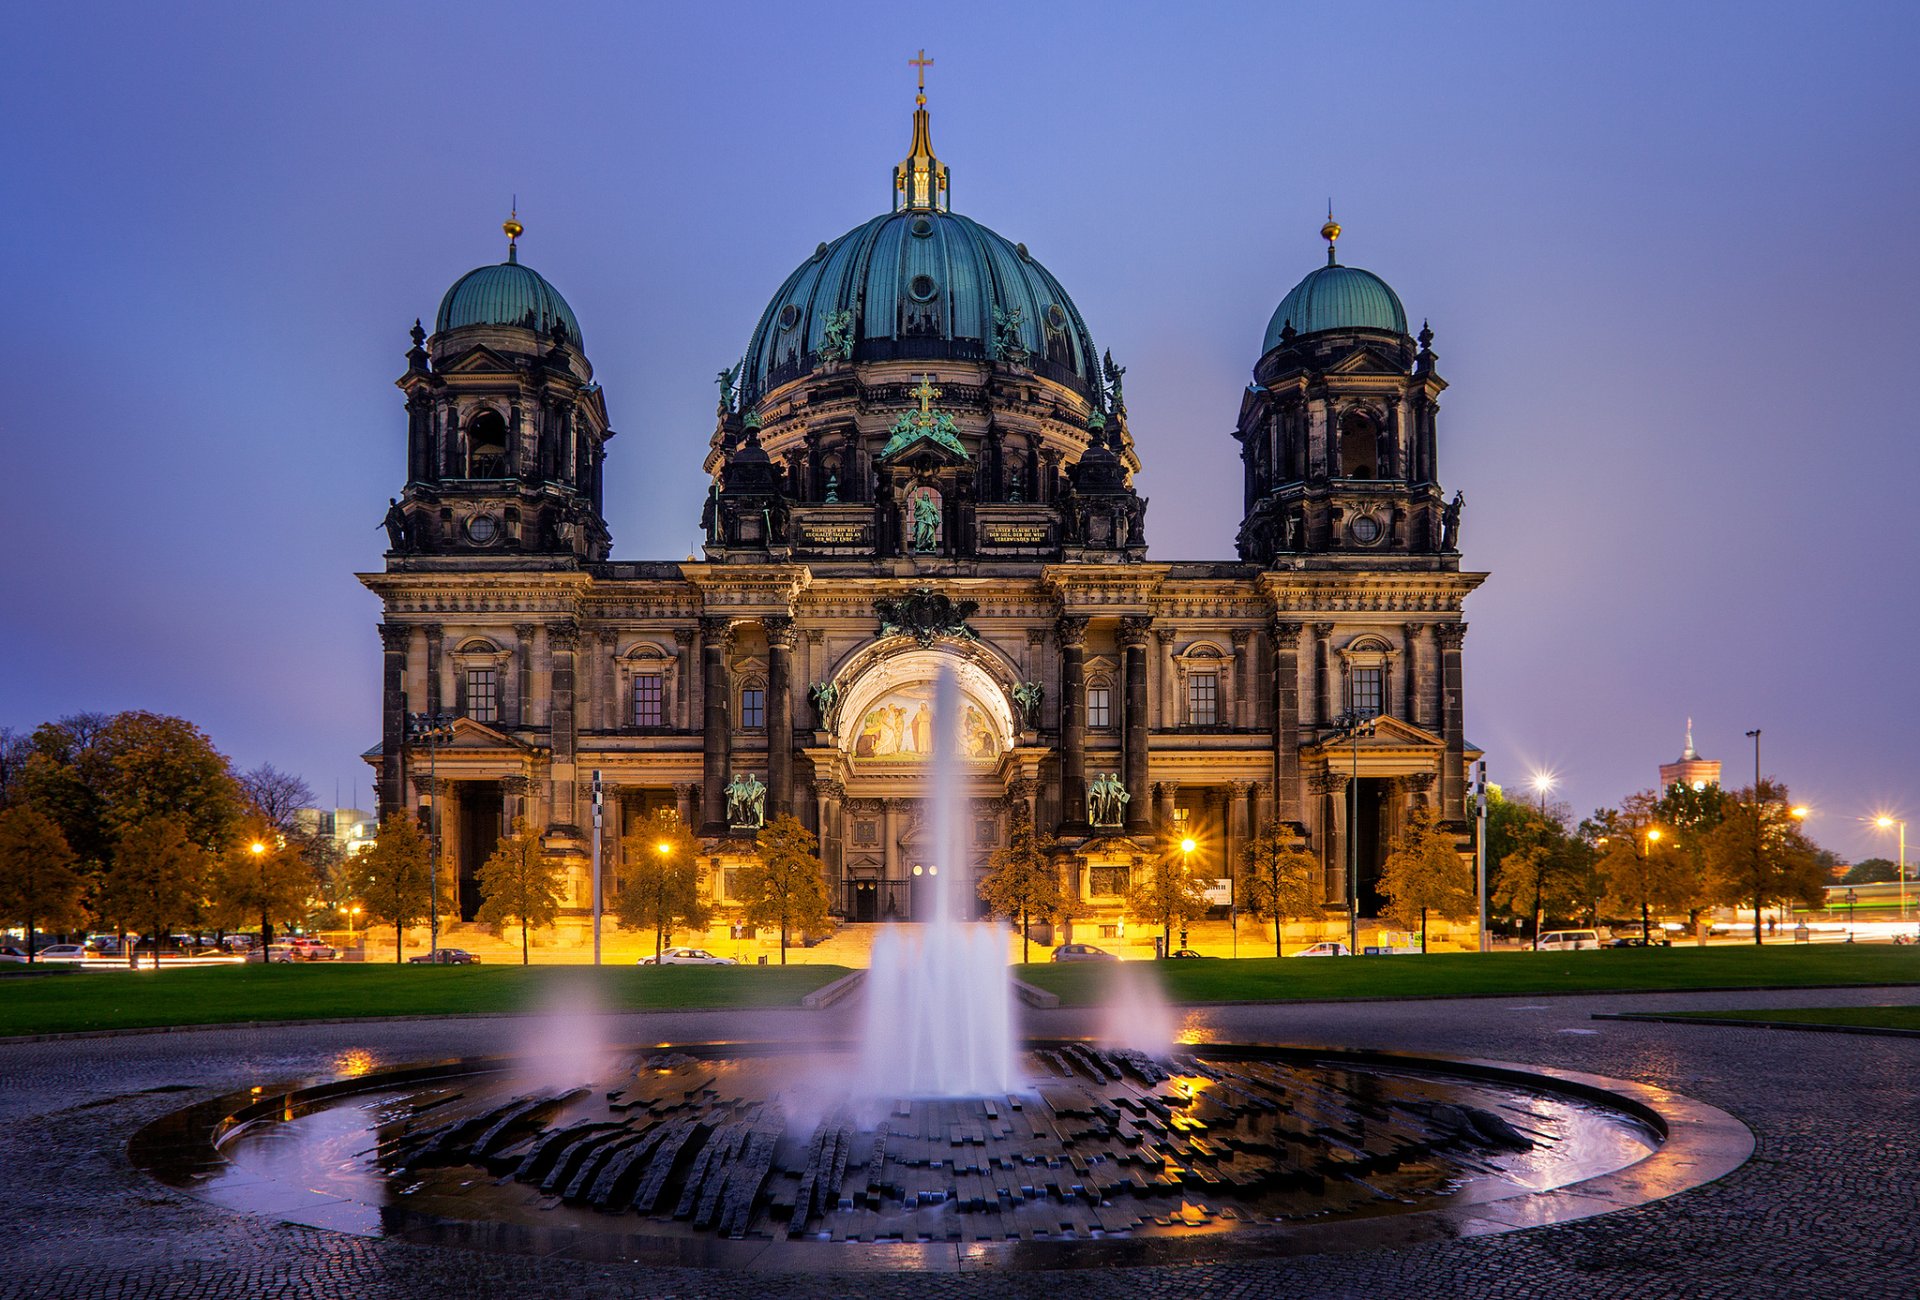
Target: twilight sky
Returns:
[[1668, 252]]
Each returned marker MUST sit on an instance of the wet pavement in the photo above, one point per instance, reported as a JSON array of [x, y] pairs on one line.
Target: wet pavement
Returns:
[[1826, 1206]]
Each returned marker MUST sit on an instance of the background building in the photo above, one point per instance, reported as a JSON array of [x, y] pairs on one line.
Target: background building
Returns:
[[922, 461], [1690, 769]]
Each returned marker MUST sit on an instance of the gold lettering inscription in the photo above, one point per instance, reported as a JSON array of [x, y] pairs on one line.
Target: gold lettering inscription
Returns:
[[1017, 534], [834, 534]]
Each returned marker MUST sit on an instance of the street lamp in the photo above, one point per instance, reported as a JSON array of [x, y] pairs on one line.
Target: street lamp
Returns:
[[1543, 783], [349, 913], [1852, 898], [1887, 822], [1351, 726], [432, 728], [1187, 846]]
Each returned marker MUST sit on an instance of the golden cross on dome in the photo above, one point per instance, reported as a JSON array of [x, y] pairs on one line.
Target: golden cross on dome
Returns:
[[922, 63], [926, 393]]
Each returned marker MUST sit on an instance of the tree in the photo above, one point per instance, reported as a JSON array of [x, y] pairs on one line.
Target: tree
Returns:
[[158, 877], [1022, 883], [1638, 867], [1692, 815], [394, 878], [520, 884], [1528, 885], [1872, 871], [660, 884], [1759, 855], [1278, 881], [1168, 893], [39, 886], [276, 795], [1424, 874], [261, 877], [786, 885]]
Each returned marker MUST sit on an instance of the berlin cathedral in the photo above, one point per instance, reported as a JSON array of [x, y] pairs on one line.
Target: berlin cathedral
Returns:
[[922, 460]]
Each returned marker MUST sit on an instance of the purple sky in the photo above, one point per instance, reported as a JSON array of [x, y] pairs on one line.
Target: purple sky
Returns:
[[1667, 250]]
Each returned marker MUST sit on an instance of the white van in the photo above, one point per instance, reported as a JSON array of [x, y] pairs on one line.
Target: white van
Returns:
[[1568, 940]]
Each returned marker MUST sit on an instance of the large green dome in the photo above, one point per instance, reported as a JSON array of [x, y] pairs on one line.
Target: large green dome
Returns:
[[1335, 297], [922, 283], [506, 294]]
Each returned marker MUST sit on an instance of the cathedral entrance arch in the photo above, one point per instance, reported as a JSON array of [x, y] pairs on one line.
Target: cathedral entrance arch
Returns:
[[886, 714]]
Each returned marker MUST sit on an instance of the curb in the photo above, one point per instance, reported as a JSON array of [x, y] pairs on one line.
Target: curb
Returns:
[[828, 994], [1729, 1022], [1537, 993], [1034, 996]]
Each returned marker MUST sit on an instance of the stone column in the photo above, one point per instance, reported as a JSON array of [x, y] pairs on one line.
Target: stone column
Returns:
[[1072, 632], [1410, 674], [683, 793], [779, 629], [563, 640], [1163, 796], [435, 698], [827, 796], [607, 707], [889, 851], [1022, 794], [1453, 776], [1135, 737], [522, 675], [684, 678], [1286, 719], [1239, 795], [393, 717], [1331, 789], [1169, 705], [716, 635], [1242, 680], [1322, 674]]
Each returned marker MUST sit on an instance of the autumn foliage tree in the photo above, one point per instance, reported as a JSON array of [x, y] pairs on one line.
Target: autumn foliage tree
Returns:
[[520, 885], [1022, 883], [394, 878], [1278, 880], [1759, 854], [660, 883], [262, 878], [157, 878], [785, 885], [1168, 892], [39, 886], [1425, 874]]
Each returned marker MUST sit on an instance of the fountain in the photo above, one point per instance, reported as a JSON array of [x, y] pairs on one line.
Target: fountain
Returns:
[[939, 1019], [937, 1141]]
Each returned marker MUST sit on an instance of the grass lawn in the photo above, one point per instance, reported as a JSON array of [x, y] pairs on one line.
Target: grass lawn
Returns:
[[1306, 979], [1867, 1017], [225, 994]]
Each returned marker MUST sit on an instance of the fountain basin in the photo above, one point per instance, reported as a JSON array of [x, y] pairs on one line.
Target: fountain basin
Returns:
[[731, 1156]]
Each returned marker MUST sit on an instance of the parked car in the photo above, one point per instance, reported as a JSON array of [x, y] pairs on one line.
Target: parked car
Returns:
[[239, 942], [445, 957], [1635, 941], [62, 952], [1568, 940], [688, 957], [1328, 948], [1186, 952], [1082, 952], [308, 948], [11, 953]]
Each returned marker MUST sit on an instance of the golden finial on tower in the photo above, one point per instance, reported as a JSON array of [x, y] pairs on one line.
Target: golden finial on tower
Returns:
[[922, 62], [513, 229], [1330, 232]]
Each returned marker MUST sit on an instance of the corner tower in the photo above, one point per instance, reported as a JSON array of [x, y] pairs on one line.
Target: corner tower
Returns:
[[1337, 429], [506, 430]]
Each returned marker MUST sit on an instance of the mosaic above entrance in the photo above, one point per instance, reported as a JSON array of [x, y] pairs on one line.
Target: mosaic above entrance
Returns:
[[899, 726]]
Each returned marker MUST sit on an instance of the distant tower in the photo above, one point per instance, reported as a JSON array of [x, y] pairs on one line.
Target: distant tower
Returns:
[[1690, 769]]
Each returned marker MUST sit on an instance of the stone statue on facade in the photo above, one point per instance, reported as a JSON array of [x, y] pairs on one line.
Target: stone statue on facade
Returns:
[[825, 697], [746, 802], [1114, 375], [1007, 346], [1107, 800], [1028, 696], [1450, 523], [725, 380], [926, 524], [396, 525]]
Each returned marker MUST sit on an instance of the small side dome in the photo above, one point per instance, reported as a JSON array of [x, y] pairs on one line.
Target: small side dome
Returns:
[[507, 294], [1337, 297]]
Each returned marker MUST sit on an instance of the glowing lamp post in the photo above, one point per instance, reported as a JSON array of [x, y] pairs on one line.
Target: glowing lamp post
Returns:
[[1543, 783], [1886, 822], [1187, 846]]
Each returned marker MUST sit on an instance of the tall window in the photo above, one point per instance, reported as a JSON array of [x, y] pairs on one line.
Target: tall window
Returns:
[[483, 694], [1099, 706], [1203, 699], [649, 701], [1369, 692], [753, 708]]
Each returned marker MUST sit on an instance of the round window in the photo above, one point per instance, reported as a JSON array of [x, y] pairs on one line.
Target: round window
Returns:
[[1365, 529], [922, 288], [789, 316], [921, 227], [1056, 315], [482, 529]]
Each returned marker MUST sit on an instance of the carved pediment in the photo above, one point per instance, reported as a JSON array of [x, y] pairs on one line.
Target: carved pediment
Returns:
[[1366, 361], [1388, 733], [926, 615], [469, 735], [479, 360]]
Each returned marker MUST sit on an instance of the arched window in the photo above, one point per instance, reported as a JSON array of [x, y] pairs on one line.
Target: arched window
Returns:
[[1100, 704], [1359, 446], [1368, 661], [487, 446], [753, 705]]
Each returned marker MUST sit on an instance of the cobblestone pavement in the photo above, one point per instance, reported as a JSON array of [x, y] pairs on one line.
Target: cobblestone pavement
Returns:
[[1827, 1207]]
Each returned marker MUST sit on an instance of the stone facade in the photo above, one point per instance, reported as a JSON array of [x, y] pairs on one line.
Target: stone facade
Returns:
[[909, 492]]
